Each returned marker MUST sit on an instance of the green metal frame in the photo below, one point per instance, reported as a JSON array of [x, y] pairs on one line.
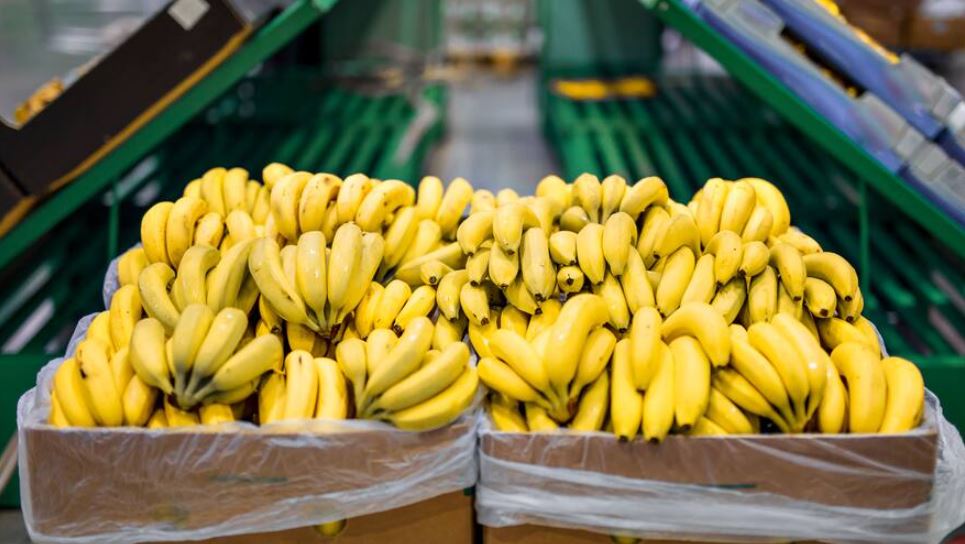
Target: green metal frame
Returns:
[[785, 102], [267, 40]]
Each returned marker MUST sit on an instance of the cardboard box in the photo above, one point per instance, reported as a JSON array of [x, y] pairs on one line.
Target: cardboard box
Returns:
[[532, 534], [936, 34], [884, 20], [89, 483], [446, 519], [886, 472]]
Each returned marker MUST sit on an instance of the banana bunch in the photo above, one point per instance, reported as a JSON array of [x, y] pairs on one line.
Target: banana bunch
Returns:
[[410, 380]]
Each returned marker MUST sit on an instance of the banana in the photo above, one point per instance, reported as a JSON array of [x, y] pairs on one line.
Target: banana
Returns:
[[619, 237], [835, 270], [760, 373], [538, 271], [300, 338], [233, 396], [730, 299], [177, 417], [448, 291], [148, 356], [377, 347], [592, 409], [802, 242], [626, 404], [767, 339], [351, 355], [808, 321], [344, 262], [636, 285], [254, 359], [702, 286], [311, 275], [130, 264], [851, 311], [426, 382], [867, 384], [869, 332], [350, 196], [448, 332], [643, 194], [225, 281], [420, 304], [427, 236], [645, 335], [809, 350], [121, 369], [404, 358], [138, 402], [209, 230], [738, 207], [188, 336], [706, 427], [681, 232], [557, 191], [99, 388], [506, 196], [538, 420], [758, 227], [477, 266], [441, 409], [611, 293], [835, 331], [332, 399], [562, 247], [770, 197], [366, 310], [476, 229], [100, 328], [905, 400], [509, 223], [212, 189], [68, 397], [658, 401], [193, 188], [790, 268], [725, 414], [570, 279], [691, 381], [754, 259], [153, 290], [499, 377], [224, 335], [153, 228], [399, 236], [319, 191], [612, 190], [573, 219], [158, 420], [475, 304], [482, 200], [235, 190], [676, 276], [429, 197], [391, 302], [454, 202], [261, 207], [216, 414], [549, 312], [728, 250], [589, 251], [372, 250], [786, 304], [271, 399], [580, 315], [514, 319], [762, 296], [264, 262], [179, 229], [710, 206], [819, 297], [515, 351], [503, 268], [832, 413], [736, 388], [301, 386], [125, 311], [593, 360], [381, 203], [190, 283], [588, 194]]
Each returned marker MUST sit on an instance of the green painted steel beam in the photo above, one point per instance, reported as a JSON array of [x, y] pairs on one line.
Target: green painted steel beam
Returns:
[[819, 129], [266, 41]]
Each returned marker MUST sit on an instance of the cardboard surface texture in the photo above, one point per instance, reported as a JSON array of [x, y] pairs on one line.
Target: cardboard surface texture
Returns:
[[83, 481], [444, 519]]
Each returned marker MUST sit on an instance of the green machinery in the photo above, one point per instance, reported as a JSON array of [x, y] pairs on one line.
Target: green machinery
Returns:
[[53, 262], [697, 127]]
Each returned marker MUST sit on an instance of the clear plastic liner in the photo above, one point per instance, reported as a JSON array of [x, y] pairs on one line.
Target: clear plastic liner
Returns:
[[755, 487], [112, 485]]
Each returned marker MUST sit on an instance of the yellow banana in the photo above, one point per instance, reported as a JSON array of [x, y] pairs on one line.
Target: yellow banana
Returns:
[[261, 207], [588, 194], [760, 373], [179, 230], [254, 359], [573, 219], [626, 404], [224, 282], [404, 358], [448, 332], [754, 258], [393, 298], [223, 336], [762, 296], [158, 420], [350, 196], [520, 355], [509, 223], [482, 200], [726, 414], [503, 268], [311, 275], [190, 284], [691, 381], [399, 236], [441, 409], [426, 382], [138, 402], [710, 207], [730, 298], [188, 336], [100, 328], [589, 251], [365, 312], [594, 359], [835, 270], [475, 304], [819, 297], [538, 271], [681, 232], [611, 293], [538, 420], [319, 191], [676, 276], [332, 398], [454, 202], [351, 355], [867, 386], [658, 401], [427, 236], [810, 351], [429, 197], [802, 242], [301, 385], [153, 286], [580, 315], [562, 247], [177, 417], [210, 230], [99, 388], [420, 304], [381, 203], [643, 194], [125, 311], [130, 264], [343, 263], [476, 229], [612, 190], [148, 355], [728, 251], [759, 224], [767, 339], [264, 262], [570, 279], [736, 388], [447, 293], [212, 189], [216, 414], [833, 410], [271, 399], [770, 197], [514, 319], [738, 207], [619, 237], [68, 392], [702, 286], [790, 268], [505, 413], [556, 190], [153, 228], [592, 409], [906, 395], [499, 377], [835, 331]]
